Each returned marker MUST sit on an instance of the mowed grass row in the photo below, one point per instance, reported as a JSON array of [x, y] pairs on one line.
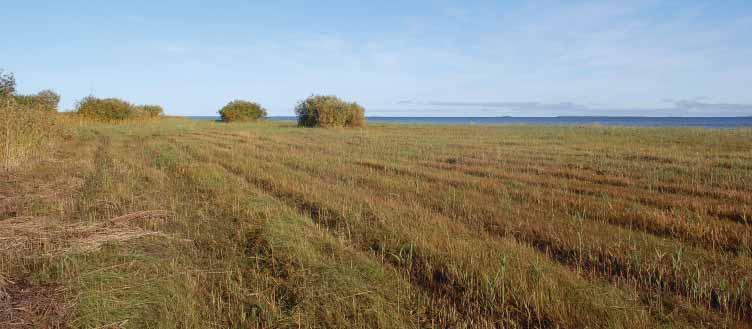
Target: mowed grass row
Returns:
[[656, 264], [232, 256], [619, 206], [267, 225], [443, 257], [645, 210], [606, 170]]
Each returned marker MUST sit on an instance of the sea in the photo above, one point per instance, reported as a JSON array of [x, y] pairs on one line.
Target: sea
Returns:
[[698, 122]]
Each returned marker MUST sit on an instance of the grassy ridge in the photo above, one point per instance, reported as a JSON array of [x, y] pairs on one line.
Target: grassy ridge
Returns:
[[180, 224]]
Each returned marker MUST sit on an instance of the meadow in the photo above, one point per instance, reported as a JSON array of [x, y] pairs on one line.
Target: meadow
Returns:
[[185, 224]]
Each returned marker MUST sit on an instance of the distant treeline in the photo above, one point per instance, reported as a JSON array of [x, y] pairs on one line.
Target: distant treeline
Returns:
[[314, 111], [46, 100]]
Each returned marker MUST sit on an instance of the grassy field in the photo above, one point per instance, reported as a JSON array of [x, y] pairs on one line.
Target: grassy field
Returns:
[[183, 224]]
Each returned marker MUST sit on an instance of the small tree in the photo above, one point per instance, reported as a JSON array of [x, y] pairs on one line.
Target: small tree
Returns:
[[239, 110], [329, 111], [49, 100], [7, 84]]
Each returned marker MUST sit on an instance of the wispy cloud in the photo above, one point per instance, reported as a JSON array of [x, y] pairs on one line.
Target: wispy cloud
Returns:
[[694, 107], [706, 108], [175, 49], [514, 105]]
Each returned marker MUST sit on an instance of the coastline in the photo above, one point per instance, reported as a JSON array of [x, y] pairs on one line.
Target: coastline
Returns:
[[619, 121]]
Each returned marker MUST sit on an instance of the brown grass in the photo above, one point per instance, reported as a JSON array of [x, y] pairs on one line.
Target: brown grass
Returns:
[[43, 237], [24, 133], [268, 225]]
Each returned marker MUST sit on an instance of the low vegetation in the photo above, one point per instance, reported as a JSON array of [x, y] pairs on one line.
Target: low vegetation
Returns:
[[27, 123], [46, 100], [186, 224], [115, 110], [242, 111], [149, 111], [329, 111]]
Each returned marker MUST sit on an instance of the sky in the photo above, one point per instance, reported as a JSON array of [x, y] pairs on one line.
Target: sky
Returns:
[[396, 58]]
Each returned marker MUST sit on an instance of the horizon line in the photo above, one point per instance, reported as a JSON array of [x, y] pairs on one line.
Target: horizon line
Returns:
[[506, 116]]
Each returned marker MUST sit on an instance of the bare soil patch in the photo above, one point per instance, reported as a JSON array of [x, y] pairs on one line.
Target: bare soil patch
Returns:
[[23, 305]]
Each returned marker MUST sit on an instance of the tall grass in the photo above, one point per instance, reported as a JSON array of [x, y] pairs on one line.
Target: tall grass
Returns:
[[24, 130]]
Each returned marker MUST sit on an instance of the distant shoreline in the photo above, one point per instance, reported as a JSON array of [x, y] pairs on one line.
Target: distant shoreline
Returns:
[[507, 117], [626, 121]]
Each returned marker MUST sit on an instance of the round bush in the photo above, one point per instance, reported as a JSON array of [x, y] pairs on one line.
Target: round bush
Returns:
[[108, 109], [242, 111], [329, 111]]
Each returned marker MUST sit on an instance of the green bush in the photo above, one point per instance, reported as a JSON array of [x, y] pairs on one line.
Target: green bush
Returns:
[[239, 110], [114, 109], [107, 109], [329, 111], [45, 100]]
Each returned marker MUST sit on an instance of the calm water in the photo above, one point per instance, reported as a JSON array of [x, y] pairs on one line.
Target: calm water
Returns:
[[712, 122]]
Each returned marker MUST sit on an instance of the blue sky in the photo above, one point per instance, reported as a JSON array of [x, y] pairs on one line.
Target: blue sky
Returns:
[[446, 58]]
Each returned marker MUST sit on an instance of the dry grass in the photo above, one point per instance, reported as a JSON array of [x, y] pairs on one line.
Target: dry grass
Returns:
[[24, 133], [268, 225], [23, 235], [24, 239]]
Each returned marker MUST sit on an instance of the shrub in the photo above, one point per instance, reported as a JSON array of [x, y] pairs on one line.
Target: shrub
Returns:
[[329, 111], [239, 110], [107, 109], [150, 111], [114, 109], [45, 100]]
